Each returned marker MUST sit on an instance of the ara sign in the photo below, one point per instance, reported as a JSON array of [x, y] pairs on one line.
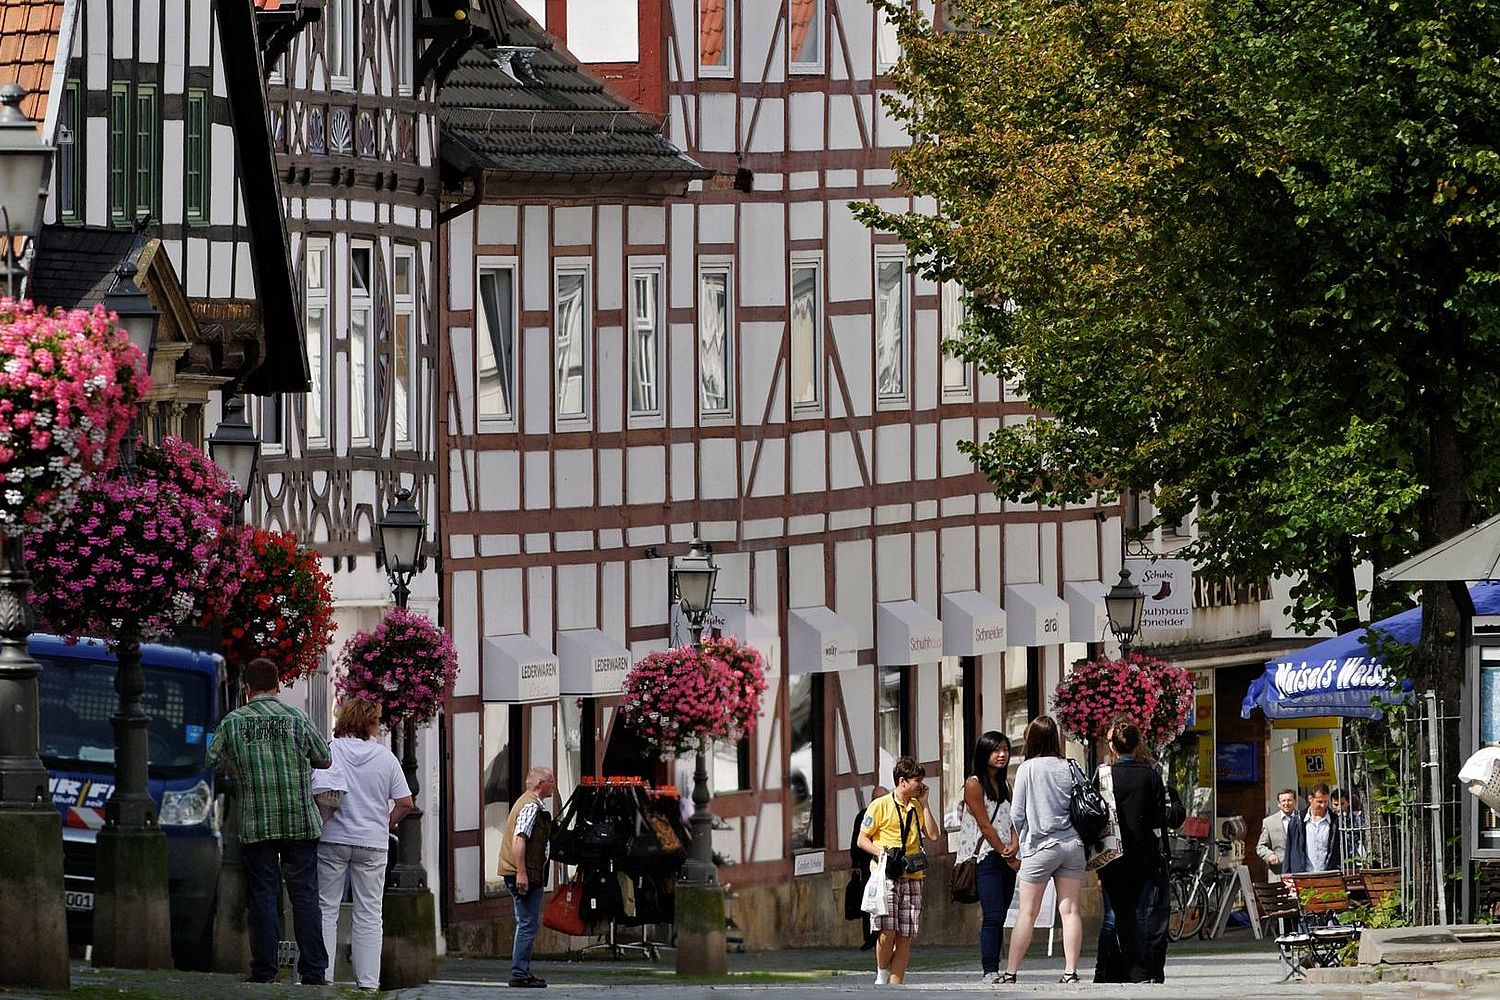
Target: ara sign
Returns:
[[1168, 586]]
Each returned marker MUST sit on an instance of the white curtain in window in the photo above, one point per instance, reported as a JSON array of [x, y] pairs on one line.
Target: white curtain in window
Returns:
[[359, 372], [495, 345], [952, 311], [806, 362], [569, 347], [890, 329], [643, 342], [713, 343], [313, 407]]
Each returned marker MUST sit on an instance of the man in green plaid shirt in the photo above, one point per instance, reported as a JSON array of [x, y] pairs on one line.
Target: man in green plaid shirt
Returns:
[[270, 749]]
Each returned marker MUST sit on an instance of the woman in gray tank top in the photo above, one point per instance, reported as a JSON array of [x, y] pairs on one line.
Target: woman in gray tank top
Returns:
[[1051, 849]]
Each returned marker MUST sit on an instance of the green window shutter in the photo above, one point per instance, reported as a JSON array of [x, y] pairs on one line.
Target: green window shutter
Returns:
[[119, 152], [196, 165], [146, 152]]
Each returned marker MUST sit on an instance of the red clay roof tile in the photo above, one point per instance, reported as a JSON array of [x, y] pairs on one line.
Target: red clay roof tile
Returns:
[[28, 48]]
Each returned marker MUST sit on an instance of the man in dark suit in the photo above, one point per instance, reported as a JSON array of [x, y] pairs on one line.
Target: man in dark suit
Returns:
[[1312, 840]]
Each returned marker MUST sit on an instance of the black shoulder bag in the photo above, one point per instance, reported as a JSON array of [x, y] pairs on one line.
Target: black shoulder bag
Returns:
[[898, 862], [1087, 810]]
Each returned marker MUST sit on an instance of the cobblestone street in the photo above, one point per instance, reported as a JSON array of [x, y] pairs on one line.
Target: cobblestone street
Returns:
[[1245, 970]]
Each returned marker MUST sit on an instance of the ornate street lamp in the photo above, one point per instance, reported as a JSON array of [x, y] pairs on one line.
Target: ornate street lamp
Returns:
[[25, 162], [402, 531], [234, 446], [1124, 605], [134, 308], [693, 578], [410, 953]]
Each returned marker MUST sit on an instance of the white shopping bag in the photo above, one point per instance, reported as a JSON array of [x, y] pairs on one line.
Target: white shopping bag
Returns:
[[873, 902]]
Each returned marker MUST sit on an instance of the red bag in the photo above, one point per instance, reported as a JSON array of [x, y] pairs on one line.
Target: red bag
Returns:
[[564, 912]]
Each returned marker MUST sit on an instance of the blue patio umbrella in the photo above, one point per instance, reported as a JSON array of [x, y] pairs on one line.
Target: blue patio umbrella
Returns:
[[1338, 676]]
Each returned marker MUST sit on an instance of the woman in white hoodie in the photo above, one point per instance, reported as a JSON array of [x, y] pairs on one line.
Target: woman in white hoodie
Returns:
[[356, 839]]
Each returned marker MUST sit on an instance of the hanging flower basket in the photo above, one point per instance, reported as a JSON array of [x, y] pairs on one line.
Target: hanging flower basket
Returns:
[[69, 386], [406, 665], [1174, 705], [137, 556], [1153, 693], [284, 608], [683, 699]]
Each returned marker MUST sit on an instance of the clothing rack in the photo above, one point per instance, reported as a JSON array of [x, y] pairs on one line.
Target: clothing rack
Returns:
[[634, 813]]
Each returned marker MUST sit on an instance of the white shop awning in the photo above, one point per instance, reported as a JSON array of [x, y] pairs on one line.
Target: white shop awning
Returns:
[[906, 633], [592, 663], [1087, 611], [973, 625], [517, 669], [1035, 616], [819, 641]]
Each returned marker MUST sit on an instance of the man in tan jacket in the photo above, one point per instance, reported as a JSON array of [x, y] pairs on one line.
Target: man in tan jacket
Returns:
[[523, 865]]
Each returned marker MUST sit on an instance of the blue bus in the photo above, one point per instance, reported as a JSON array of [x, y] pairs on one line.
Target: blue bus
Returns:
[[185, 697]]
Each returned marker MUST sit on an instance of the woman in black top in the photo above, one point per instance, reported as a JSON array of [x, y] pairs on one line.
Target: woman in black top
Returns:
[[1135, 949]]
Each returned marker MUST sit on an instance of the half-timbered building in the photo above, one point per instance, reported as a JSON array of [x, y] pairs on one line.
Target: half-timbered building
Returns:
[[750, 365]]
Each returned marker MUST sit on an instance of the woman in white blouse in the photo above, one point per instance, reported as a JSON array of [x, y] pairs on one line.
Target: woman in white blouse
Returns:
[[986, 832]]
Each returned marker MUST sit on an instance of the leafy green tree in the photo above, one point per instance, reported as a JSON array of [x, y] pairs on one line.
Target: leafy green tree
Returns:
[[1239, 254]]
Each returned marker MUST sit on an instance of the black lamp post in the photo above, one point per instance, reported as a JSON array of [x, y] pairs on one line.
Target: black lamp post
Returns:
[[1124, 605], [234, 446], [25, 161], [693, 578], [402, 531]]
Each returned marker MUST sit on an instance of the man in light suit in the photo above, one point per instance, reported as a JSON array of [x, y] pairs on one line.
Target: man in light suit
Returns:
[[1272, 843]]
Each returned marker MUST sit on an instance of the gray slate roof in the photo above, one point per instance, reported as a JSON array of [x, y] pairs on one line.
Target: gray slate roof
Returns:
[[75, 265], [552, 119]]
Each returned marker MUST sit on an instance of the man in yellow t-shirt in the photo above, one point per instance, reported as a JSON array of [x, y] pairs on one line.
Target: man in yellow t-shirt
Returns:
[[900, 819]]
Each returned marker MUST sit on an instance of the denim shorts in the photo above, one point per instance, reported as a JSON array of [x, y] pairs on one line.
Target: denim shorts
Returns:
[[1063, 859]]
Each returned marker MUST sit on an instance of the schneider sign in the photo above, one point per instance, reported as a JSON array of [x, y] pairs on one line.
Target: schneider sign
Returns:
[[1168, 586]]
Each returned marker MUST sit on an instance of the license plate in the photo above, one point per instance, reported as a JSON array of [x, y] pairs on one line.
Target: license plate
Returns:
[[75, 900]]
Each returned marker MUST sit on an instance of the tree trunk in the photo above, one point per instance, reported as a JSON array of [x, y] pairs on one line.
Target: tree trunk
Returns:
[[1438, 663]]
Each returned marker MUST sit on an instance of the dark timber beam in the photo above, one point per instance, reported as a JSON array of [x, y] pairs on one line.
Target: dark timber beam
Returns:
[[280, 26], [284, 368]]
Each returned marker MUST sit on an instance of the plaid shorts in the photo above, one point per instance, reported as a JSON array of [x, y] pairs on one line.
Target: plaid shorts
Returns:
[[903, 906]]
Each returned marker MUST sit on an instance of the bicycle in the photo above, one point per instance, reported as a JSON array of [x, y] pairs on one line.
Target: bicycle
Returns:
[[1199, 889]]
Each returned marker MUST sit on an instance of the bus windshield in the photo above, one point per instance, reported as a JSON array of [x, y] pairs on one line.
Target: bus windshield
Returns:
[[78, 698]]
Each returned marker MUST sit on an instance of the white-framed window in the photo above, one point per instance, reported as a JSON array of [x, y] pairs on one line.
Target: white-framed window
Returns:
[[890, 327], [958, 374], [340, 31], [404, 46], [495, 339], [805, 37], [315, 261], [361, 297], [807, 333], [715, 37], [572, 306], [715, 326], [645, 340], [273, 424], [887, 42], [404, 344]]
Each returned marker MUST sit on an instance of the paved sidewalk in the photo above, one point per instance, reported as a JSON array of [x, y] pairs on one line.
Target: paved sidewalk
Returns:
[[1236, 970]]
